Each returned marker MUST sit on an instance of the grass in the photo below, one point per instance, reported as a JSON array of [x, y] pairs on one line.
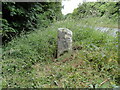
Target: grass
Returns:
[[29, 61], [99, 22]]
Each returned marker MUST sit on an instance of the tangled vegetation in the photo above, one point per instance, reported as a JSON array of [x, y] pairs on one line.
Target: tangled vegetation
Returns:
[[31, 57], [99, 9], [19, 17], [29, 60]]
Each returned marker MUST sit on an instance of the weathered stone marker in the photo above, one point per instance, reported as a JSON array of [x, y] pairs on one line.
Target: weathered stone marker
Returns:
[[64, 41]]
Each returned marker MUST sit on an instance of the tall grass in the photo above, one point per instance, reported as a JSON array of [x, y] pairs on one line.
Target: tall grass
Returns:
[[41, 44], [99, 22], [98, 49]]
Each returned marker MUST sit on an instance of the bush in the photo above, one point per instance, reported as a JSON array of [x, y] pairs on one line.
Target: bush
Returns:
[[26, 16], [99, 9]]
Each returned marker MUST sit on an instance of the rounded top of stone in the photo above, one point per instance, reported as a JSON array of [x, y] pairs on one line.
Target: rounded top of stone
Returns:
[[65, 30]]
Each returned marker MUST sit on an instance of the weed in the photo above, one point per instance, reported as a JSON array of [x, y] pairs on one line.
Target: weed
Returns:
[[29, 61]]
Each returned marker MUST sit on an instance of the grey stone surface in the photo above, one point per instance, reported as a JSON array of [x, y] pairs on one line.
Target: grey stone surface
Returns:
[[64, 41]]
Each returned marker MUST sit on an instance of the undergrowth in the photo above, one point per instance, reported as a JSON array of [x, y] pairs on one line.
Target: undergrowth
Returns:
[[29, 61], [99, 22]]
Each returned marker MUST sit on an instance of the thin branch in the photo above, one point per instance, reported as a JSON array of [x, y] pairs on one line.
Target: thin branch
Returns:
[[104, 82]]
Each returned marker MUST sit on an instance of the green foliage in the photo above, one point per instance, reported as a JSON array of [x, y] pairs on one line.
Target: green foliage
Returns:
[[98, 22], [90, 9], [27, 16], [7, 28], [29, 61], [37, 48]]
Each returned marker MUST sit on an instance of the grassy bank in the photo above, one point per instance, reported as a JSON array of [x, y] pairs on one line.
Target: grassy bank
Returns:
[[99, 22], [29, 61]]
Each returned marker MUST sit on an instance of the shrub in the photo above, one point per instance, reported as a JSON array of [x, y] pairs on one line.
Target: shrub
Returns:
[[27, 16]]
